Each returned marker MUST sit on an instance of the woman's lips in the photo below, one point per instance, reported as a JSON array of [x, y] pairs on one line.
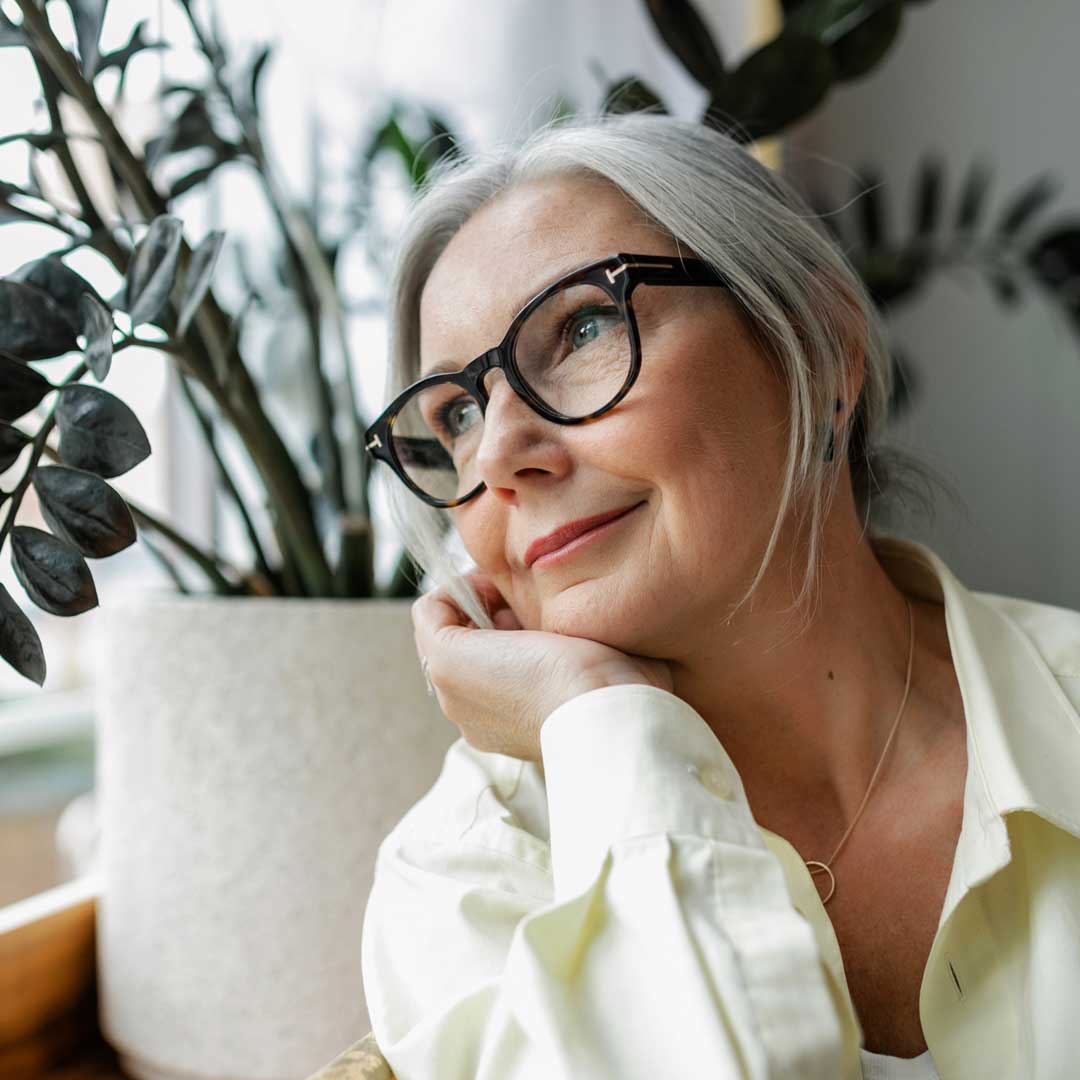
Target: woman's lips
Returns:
[[572, 546]]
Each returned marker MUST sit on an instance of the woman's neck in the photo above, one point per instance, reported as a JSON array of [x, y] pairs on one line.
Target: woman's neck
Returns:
[[805, 719]]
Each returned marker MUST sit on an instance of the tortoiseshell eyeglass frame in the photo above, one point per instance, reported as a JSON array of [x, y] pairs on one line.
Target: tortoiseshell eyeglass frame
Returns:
[[618, 275]]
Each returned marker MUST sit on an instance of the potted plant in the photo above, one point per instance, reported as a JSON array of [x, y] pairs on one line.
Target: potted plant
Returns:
[[246, 721]]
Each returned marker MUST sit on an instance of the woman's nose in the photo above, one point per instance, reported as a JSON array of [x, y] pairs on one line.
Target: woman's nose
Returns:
[[516, 442]]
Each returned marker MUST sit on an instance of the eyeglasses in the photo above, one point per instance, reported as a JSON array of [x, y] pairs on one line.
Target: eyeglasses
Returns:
[[571, 354]]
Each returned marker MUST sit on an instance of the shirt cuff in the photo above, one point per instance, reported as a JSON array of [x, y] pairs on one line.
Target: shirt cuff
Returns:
[[634, 760]]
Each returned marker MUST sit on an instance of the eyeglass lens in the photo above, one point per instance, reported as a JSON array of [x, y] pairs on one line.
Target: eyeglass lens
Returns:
[[574, 353]]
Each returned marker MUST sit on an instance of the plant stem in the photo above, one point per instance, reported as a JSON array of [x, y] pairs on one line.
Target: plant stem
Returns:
[[38, 447], [164, 562], [405, 580], [205, 563], [304, 253], [207, 426], [90, 212]]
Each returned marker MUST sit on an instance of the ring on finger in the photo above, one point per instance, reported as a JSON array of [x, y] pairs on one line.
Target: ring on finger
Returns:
[[425, 668]]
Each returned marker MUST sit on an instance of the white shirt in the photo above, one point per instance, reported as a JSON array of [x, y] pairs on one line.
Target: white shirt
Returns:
[[617, 912]]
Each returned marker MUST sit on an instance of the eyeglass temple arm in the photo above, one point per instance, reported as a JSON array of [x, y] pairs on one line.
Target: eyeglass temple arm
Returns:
[[674, 272]]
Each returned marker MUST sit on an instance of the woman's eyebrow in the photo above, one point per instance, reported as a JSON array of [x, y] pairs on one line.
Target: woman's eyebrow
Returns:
[[445, 367], [450, 366]]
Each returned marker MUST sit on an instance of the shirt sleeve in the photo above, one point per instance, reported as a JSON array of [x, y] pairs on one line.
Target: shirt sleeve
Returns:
[[651, 935]]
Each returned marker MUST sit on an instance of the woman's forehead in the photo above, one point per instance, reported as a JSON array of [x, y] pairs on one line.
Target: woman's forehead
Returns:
[[515, 245]]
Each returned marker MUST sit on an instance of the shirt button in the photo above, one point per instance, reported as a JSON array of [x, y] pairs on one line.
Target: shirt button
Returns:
[[718, 782]]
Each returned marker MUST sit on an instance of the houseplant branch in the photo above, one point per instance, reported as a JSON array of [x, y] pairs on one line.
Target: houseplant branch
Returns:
[[312, 268], [165, 563], [207, 426], [313, 277]]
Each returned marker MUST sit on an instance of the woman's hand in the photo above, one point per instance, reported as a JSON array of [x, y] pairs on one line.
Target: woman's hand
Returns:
[[498, 686]]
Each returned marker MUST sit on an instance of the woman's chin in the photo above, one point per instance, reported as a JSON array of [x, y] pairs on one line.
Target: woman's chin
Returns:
[[607, 624]]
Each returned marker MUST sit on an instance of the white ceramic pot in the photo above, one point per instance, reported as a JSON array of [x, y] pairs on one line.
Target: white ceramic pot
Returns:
[[251, 755]]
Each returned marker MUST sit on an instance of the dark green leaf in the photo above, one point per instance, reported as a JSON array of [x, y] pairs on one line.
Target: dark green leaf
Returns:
[[861, 46], [83, 510], [168, 89], [53, 573], [21, 387], [152, 269], [1023, 206], [62, 285], [88, 16], [929, 185], [12, 441], [97, 328], [197, 280], [830, 20], [905, 386], [193, 178], [687, 36], [391, 137], [255, 74], [192, 129], [632, 95], [973, 196], [869, 209], [137, 43], [98, 431], [32, 326], [892, 276], [20, 645], [776, 85], [441, 144], [1055, 258]]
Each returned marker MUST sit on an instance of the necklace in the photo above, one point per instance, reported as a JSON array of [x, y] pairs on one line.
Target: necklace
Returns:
[[813, 865]]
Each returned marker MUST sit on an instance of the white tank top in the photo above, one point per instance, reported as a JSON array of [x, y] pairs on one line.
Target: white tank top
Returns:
[[883, 1067]]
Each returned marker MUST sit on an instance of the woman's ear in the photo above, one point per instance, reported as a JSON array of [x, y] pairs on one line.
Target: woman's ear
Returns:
[[853, 333]]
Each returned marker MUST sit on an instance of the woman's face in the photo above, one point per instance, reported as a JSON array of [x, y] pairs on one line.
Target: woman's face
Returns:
[[699, 441]]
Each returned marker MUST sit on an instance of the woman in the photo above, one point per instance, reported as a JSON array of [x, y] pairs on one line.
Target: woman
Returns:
[[680, 660]]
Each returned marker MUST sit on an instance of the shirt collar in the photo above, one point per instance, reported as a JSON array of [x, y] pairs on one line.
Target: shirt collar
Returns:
[[1023, 733]]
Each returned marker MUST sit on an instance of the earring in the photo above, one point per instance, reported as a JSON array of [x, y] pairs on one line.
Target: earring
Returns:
[[830, 450]]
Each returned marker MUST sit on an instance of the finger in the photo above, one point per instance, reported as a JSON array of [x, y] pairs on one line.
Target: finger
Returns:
[[505, 619], [436, 619], [491, 597]]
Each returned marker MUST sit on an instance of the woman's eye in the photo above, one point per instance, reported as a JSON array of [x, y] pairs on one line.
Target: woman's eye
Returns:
[[586, 326], [452, 418]]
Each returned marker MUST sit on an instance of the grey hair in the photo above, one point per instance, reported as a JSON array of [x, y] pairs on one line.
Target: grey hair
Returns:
[[802, 298]]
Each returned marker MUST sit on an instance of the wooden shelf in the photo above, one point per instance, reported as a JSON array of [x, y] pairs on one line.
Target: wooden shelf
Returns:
[[48, 988], [49, 1004]]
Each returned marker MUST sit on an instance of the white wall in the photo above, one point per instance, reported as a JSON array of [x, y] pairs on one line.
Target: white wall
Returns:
[[1000, 389]]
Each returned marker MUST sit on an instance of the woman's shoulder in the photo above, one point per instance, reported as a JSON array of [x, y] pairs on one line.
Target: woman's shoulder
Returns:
[[1053, 630]]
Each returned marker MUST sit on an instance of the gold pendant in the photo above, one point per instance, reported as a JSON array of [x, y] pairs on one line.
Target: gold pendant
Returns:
[[832, 880]]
